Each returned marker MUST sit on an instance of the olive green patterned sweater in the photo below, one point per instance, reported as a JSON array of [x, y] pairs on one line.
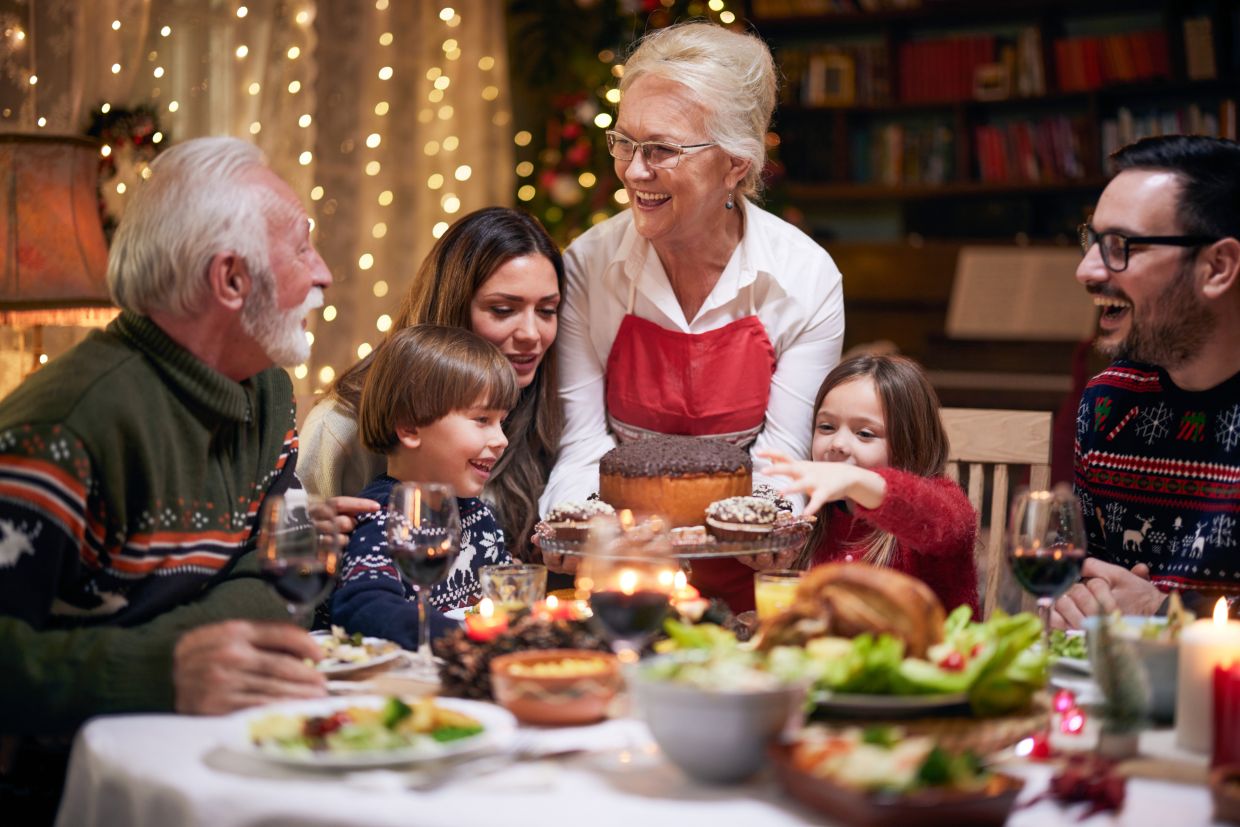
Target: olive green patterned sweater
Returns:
[[130, 475]]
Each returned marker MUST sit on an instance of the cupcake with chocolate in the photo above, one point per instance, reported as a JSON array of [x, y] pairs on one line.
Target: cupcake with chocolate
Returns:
[[571, 520], [741, 519], [767, 492]]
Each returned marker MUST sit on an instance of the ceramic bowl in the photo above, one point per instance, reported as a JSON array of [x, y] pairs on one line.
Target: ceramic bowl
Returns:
[[717, 736], [1160, 657], [542, 687]]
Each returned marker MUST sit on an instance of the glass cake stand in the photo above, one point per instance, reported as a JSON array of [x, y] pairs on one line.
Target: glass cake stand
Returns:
[[781, 540]]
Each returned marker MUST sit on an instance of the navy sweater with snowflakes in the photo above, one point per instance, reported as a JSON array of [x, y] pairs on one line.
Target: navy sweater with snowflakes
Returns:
[[1158, 475], [373, 599]]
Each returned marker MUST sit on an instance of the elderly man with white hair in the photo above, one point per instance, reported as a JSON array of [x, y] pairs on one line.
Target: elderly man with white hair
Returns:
[[132, 467]]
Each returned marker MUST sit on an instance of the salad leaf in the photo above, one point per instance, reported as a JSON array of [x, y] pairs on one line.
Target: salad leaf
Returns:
[[395, 711], [697, 636], [454, 733]]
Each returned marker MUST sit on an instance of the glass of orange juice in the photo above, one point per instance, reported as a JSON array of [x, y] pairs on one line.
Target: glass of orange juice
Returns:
[[774, 591]]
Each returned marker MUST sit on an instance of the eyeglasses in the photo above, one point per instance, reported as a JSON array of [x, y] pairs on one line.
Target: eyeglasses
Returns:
[[658, 154], [1114, 246]]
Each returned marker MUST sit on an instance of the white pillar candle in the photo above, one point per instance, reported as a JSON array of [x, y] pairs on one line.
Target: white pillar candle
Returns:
[[1203, 645]]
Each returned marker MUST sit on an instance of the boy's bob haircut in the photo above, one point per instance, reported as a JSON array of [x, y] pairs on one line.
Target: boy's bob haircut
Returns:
[[425, 372]]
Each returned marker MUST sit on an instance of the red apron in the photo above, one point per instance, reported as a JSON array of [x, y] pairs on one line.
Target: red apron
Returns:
[[715, 384]]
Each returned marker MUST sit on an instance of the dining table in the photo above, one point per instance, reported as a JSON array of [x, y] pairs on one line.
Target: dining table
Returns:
[[158, 770]]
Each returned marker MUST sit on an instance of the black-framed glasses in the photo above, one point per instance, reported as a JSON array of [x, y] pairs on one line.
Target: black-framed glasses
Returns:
[[1114, 246], [659, 154]]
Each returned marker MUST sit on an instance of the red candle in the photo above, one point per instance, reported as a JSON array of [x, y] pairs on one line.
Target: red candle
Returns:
[[1226, 715], [486, 624]]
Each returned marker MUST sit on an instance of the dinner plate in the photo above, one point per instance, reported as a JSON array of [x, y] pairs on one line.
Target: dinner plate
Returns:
[[847, 705], [498, 728], [1074, 664], [338, 669]]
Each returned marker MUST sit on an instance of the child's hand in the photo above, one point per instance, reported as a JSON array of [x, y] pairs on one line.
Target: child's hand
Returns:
[[826, 482]]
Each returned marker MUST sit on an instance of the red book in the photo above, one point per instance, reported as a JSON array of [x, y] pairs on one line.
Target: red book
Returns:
[[1091, 48], [1158, 52], [1142, 59]]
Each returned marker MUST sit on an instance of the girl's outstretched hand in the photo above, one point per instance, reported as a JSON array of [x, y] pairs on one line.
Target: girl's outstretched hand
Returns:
[[824, 482]]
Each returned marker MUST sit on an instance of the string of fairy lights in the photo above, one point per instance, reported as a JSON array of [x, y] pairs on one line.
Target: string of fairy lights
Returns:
[[289, 140]]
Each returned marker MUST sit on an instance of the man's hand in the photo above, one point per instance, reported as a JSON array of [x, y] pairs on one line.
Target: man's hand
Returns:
[[1106, 588], [236, 664], [348, 509]]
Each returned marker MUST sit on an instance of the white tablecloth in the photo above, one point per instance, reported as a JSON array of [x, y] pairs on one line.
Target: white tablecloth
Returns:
[[159, 770]]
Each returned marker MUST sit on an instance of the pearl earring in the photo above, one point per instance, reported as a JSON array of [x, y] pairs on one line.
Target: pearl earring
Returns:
[[729, 204]]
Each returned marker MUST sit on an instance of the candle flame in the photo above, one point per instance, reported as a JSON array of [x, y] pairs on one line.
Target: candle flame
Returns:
[[486, 607], [1220, 612], [628, 581], [680, 580], [553, 602], [666, 578], [626, 519]]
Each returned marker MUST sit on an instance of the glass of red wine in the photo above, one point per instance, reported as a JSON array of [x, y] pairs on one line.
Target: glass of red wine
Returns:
[[424, 539], [299, 547], [630, 578], [1047, 546]]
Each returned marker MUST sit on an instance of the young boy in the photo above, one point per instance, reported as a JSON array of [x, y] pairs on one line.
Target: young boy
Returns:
[[433, 403]]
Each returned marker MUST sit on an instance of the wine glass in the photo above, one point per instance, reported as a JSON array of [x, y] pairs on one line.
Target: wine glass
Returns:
[[1047, 546], [424, 539], [299, 547], [630, 579]]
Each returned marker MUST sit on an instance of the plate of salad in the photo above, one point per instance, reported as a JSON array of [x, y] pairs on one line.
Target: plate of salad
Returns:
[[371, 731], [1068, 650], [994, 666], [345, 654]]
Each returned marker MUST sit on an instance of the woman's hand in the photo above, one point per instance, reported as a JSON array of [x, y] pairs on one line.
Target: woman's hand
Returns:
[[826, 482], [766, 560], [554, 561]]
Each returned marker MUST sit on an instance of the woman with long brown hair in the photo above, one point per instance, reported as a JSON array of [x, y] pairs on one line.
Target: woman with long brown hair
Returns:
[[495, 272]]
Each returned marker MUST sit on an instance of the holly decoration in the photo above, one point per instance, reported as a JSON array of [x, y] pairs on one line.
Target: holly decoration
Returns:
[[130, 136]]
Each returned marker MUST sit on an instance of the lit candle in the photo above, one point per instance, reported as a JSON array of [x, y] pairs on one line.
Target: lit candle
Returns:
[[1203, 646], [486, 624]]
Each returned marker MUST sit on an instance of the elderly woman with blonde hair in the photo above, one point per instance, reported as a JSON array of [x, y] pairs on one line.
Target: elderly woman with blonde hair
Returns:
[[694, 311]]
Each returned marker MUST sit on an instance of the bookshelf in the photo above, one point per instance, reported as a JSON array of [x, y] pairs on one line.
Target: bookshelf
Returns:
[[927, 113]]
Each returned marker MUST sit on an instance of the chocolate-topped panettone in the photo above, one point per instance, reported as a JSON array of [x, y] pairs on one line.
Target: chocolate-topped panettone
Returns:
[[676, 476]]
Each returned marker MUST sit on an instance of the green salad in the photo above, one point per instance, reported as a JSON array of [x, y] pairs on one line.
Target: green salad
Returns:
[[994, 662], [358, 729]]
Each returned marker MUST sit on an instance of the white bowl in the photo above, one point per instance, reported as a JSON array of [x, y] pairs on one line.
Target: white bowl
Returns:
[[717, 736], [1160, 658]]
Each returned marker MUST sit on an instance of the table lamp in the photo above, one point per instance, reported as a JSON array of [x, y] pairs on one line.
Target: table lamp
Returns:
[[55, 254]]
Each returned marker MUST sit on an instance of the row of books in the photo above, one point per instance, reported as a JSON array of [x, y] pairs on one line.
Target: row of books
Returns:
[[899, 154], [853, 74], [1030, 152], [1128, 125], [1085, 63]]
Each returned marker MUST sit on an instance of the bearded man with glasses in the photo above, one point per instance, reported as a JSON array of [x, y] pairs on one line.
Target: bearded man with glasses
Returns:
[[1158, 433]]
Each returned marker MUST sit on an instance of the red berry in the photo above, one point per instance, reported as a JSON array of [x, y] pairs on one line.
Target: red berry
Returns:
[[952, 662]]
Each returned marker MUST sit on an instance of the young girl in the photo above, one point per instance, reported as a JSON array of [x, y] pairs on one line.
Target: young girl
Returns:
[[879, 452], [433, 404], [497, 273]]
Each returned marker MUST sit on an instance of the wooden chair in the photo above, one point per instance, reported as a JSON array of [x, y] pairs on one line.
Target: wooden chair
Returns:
[[1001, 441]]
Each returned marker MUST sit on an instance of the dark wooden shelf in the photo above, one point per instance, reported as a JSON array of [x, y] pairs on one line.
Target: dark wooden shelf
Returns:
[[948, 12], [810, 192]]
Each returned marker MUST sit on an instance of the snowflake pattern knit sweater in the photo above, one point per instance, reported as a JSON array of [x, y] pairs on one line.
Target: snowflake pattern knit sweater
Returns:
[[1158, 475], [935, 529], [373, 599]]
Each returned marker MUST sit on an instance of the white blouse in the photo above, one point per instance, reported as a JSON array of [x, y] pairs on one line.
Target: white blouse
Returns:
[[799, 295]]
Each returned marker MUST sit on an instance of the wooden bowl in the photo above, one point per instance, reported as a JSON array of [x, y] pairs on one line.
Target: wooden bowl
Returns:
[[925, 808], [551, 699], [1225, 789]]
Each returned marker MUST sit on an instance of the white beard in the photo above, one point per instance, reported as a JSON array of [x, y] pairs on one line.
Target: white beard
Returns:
[[279, 333]]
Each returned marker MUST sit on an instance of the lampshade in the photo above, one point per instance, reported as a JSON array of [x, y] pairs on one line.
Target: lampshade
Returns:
[[55, 255]]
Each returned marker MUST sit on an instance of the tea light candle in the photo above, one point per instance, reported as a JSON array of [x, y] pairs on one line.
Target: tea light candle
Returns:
[[1203, 646], [486, 624]]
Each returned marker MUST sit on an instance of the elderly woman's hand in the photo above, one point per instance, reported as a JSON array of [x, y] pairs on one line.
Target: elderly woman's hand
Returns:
[[766, 560], [555, 561]]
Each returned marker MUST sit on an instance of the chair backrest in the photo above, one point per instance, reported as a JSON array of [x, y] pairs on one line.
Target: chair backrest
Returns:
[[998, 440]]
